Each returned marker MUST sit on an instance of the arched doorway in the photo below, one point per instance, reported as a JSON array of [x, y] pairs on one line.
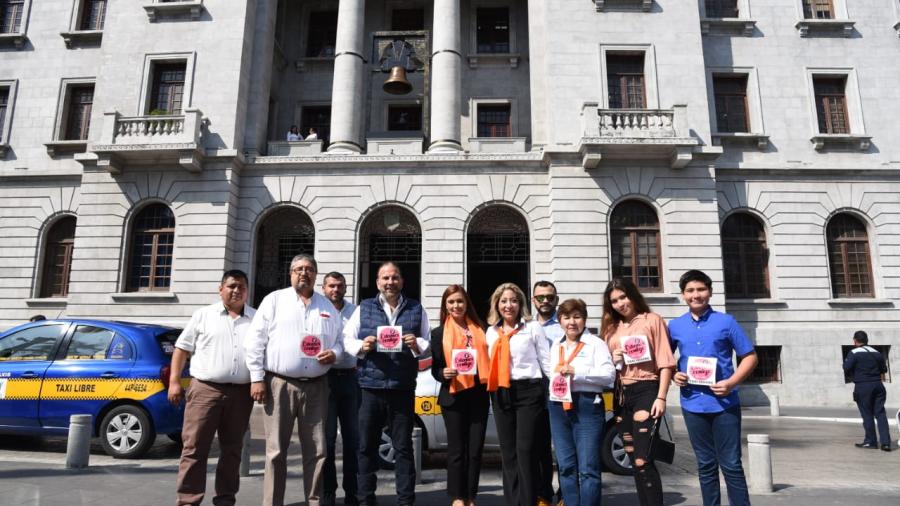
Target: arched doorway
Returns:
[[283, 233], [390, 234], [497, 251]]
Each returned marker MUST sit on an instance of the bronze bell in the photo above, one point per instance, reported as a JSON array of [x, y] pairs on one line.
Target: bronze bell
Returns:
[[396, 83]]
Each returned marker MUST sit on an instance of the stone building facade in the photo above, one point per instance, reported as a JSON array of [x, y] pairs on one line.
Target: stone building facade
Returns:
[[143, 152]]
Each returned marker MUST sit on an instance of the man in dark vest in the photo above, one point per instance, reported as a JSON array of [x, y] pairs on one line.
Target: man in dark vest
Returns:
[[866, 365], [387, 379]]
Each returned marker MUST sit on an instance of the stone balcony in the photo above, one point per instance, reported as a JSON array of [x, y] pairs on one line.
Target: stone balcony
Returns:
[[151, 139], [660, 134]]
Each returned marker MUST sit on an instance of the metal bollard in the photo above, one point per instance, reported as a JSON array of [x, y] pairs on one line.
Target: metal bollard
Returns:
[[417, 452], [78, 446], [245, 455], [774, 405], [760, 463]]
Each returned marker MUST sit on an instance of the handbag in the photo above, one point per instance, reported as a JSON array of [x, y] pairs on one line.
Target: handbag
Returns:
[[661, 450]]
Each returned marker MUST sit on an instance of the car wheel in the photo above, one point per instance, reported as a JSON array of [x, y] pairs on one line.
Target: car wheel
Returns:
[[387, 456], [615, 460], [126, 432]]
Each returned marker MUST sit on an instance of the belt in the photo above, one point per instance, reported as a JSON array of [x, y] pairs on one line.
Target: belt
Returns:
[[529, 381], [222, 385], [342, 372], [301, 379]]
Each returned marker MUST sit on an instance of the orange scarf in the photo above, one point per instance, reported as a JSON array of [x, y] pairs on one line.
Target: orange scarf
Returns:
[[455, 339], [499, 374], [563, 362]]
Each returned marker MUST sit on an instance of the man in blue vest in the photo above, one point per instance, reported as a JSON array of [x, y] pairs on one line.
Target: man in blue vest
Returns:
[[865, 365], [387, 380]]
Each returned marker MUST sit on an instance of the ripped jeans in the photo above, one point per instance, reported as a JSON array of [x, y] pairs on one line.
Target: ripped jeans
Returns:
[[635, 426]]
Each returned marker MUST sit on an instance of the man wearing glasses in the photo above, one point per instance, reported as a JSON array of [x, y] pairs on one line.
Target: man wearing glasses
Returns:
[[544, 299], [291, 344]]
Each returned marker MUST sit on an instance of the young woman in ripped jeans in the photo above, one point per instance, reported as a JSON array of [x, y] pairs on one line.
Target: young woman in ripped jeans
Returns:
[[639, 343]]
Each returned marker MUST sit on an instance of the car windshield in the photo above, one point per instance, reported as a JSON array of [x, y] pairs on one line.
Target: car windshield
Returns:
[[166, 340]]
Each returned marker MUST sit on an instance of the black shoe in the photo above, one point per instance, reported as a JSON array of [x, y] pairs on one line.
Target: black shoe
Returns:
[[885, 448], [867, 446]]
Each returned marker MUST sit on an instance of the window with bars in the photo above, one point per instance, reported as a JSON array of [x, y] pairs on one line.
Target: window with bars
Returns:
[[769, 368], [59, 245], [152, 245], [745, 257], [318, 117], [79, 100], [722, 8], [818, 9], [11, 12], [322, 35], [4, 107], [848, 257], [492, 30], [831, 104], [284, 233], [93, 14], [625, 80], [731, 103], [494, 120], [634, 239], [403, 118], [168, 88], [884, 349]]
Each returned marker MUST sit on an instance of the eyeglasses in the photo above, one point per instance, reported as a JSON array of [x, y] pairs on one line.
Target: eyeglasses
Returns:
[[542, 298], [298, 270]]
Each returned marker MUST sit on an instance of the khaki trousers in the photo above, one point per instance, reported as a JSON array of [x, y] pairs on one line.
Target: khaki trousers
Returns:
[[307, 403], [212, 408]]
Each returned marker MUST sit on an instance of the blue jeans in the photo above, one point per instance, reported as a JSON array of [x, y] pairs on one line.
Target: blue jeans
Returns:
[[394, 408], [716, 438], [343, 406], [577, 437]]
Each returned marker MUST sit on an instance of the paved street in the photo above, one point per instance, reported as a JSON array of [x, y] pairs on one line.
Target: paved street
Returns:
[[815, 463]]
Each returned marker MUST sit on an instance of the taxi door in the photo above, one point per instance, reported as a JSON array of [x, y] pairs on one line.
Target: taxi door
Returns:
[[25, 356], [86, 375]]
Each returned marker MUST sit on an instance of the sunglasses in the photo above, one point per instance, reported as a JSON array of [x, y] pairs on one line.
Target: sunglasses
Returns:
[[542, 298]]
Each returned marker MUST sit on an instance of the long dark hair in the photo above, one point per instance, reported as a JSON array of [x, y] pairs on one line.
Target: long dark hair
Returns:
[[611, 317], [470, 309]]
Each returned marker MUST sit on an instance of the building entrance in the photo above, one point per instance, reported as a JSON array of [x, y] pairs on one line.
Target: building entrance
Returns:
[[390, 234], [283, 234]]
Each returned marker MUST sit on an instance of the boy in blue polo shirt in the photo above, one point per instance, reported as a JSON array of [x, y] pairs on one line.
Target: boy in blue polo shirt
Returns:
[[705, 340]]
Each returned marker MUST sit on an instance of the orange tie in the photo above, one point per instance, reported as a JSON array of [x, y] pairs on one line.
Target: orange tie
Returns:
[[499, 374], [562, 362]]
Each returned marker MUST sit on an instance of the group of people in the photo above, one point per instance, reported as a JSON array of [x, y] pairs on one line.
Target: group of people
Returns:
[[295, 135], [314, 360]]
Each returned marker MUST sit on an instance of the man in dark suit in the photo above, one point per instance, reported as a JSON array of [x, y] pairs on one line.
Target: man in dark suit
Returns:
[[866, 365]]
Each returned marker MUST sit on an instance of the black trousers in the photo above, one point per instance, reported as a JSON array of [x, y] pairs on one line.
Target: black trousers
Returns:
[[396, 409], [870, 397], [523, 428], [466, 422]]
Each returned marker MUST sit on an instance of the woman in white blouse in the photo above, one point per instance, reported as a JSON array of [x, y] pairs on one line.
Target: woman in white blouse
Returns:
[[582, 369], [520, 360]]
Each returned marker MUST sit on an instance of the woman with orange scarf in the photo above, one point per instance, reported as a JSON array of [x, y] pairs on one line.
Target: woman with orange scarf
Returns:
[[460, 365], [520, 362]]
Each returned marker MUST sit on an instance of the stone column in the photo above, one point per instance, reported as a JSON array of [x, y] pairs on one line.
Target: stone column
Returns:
[[347, 90], [445, 78]]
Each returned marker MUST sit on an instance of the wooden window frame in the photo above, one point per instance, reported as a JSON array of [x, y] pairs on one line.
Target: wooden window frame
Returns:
[[721, 96], [742, 291], [133, 285], [630, 233], [157, 84], [20, 16], [80, 131], [493, 47], [483, 107], [715, 9], [812, 8], [623, 101], [651, 86], [826, 112], [52, 271], [841, 247], [84, 15], [756, 377], [318, 44]]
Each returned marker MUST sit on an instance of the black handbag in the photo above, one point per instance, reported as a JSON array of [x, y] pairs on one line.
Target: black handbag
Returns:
[[661, 450]]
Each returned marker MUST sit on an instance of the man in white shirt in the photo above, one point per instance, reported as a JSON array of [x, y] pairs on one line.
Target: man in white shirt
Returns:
[[343, 404], [291, 344], [313, 135], [387, 380], [218, 399]]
